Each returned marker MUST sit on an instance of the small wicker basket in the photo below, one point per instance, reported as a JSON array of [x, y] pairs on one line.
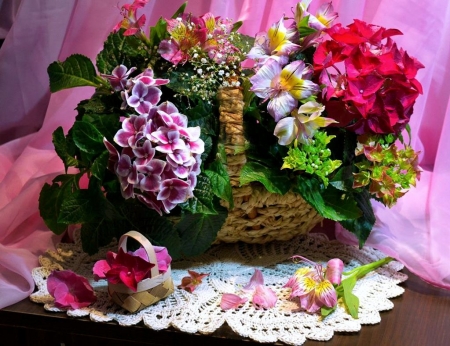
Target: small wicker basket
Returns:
[[258, 216], [149, 291]]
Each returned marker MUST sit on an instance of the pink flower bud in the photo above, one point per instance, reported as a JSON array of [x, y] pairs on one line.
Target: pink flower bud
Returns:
[[334, 270]]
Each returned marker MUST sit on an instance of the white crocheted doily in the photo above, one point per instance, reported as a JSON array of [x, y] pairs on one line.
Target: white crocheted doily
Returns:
[[230, 266]]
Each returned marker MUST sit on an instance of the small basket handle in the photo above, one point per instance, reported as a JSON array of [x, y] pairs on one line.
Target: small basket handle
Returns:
[[148, 247]]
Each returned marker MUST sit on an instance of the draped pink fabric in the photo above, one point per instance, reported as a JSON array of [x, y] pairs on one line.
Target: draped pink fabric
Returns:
[[44, 31]]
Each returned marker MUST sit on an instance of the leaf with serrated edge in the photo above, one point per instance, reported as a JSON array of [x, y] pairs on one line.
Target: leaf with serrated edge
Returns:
[[274, 180], [77, 70], [198, 231]]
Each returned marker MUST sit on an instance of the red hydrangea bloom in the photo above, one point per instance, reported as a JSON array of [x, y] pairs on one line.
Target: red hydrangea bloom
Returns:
[[374, 89], [70, 290], [126, 268]]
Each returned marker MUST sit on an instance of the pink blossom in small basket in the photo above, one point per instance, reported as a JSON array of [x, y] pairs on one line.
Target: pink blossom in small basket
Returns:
[[123, 267], [70, 290]]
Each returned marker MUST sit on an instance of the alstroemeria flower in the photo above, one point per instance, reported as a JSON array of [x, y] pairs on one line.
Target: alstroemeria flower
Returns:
[[231, 301], [190, 283], [284, 87], [300, 126], [275, 44], [70, 290], [312, 286], [125, 268], [130, 23]]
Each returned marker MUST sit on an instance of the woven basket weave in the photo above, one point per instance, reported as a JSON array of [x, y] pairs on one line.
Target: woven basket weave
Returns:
[[258, 216], [149, 291]]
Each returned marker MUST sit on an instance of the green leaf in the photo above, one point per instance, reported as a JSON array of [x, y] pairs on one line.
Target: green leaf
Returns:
[[202, 202], [325, 311], [106, 124], [363, 225], [303, 28], [198, 231], [119, 49], [274, 180], [330, 202], [77, 70], [78, 208], [88, 138], [163, 233], [159, 31], [220, 182], [98, 233], [52, 197], [99, 165], [63, 148], [236, 26], [180, 11], [350, 300], [101, 105]]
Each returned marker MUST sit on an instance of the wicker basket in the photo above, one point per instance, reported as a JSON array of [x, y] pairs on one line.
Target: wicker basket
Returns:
[[149, 291], [258, 216]]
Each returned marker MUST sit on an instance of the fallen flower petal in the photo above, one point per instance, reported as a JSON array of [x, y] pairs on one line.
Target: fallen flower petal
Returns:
[[256, 280], [231, 301], [264, 297], [190, 283], [70, 290]]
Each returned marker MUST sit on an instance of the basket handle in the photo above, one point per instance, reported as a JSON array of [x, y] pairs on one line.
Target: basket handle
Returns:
[[148, 247]]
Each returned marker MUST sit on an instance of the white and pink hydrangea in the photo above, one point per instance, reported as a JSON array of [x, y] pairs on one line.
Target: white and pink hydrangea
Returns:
[[160, 156]]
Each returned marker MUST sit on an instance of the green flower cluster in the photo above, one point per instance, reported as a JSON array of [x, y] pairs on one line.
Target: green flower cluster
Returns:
[[387, 170], [313, 157]]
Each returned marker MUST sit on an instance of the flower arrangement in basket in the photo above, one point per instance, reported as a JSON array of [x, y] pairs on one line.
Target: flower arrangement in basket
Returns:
[[185, 145], [136, 279]]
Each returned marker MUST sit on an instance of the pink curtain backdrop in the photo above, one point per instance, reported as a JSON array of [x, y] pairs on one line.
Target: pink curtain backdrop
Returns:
[[45, 30]]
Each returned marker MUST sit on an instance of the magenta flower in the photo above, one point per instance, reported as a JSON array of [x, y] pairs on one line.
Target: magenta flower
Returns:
[[129, 269], [131, 131], [143, 97], [150, 177], [130, 22], [173, 191], [70, 290], [119, 77], [146, 77], [144, 154], [162, 256]]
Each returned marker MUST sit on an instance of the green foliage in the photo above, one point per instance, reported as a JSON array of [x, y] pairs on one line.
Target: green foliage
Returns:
[[122, 50], [329, 202], [202, 202], [77, 70], [274, 180], [53, 196], [220, 181], [198, 231]]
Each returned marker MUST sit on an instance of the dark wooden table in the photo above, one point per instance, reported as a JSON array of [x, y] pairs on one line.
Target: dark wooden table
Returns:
[[421, 316]]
